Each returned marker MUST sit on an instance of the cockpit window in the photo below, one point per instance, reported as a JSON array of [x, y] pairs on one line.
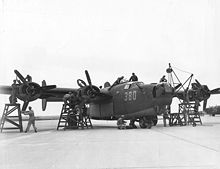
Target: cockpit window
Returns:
[[127, 86]]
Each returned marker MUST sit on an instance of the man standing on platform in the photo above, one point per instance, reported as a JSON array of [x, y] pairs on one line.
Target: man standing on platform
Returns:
[[13, 98]]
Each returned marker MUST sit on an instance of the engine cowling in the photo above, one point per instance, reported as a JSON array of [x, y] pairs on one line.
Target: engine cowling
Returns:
[[28, 92]]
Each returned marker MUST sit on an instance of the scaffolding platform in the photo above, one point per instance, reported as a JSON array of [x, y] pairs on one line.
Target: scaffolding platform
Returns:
[[188, 114], [12, 119], [73, 118]]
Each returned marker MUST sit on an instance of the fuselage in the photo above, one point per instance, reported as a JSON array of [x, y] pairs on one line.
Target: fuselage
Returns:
[[132, 99]]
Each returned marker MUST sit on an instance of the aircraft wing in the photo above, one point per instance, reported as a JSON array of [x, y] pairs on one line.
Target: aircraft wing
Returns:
[[28, 91], [56, 93], [5, 90]]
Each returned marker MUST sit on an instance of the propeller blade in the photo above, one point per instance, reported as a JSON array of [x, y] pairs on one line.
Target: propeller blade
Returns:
[[215, 91], [88, 78], [204, 104], [44, 104], [198, 83], [20, 76], [25, 105]]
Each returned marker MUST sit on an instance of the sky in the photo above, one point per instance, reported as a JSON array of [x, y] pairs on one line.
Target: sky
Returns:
[[57, 40]]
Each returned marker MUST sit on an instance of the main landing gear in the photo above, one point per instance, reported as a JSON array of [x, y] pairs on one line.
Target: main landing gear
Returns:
[[144, 122], [148, 121]]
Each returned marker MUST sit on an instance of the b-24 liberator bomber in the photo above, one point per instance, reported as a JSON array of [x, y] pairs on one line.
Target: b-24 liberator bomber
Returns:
[[135, 100]]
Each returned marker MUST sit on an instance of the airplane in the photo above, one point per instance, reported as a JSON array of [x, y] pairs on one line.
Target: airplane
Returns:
[[137, 101]]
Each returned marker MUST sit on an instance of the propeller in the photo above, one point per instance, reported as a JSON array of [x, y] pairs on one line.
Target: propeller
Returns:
[[88, 90], [29, 91], [205, 93], [91, 90]]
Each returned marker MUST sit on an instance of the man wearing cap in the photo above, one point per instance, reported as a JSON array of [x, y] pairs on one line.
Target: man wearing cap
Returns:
[[163, 79], [133, 78], [121, 123], [28, 78], [13, 98], [31, 119]]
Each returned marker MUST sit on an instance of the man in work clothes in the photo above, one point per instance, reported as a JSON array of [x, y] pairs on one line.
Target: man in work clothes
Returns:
[[163, 79], [118, 81], [121, 123], [31, 119], [133, 78], [13, 98]]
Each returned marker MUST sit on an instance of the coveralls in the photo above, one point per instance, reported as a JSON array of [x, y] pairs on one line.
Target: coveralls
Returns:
[[31, 120], [163, 79], [13, 98], [133, 78], [121, 123]]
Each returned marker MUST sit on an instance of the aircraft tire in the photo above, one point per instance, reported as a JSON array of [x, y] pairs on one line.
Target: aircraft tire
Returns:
[[155, 120], [194, 124], [142, 123], [149, 124]]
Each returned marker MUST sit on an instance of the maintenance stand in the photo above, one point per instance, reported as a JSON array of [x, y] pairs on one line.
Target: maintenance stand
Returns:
[[188, 114], [6, 116], [73, 118]]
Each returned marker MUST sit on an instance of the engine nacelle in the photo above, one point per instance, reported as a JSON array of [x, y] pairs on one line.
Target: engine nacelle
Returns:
[[28, 92]]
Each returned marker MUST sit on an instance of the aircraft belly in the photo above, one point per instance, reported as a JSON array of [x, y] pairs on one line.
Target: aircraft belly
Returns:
[[101, 111], [94, 110], [106, 110], [141, 113]]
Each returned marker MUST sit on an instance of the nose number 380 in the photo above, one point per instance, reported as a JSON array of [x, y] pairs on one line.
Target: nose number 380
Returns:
[[130, 96]]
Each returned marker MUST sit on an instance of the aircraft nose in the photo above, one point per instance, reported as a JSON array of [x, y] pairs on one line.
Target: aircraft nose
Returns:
[[168, 88], [163, 89]]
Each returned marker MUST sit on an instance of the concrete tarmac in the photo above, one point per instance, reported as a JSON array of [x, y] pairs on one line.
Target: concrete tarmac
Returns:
[[105, 146]]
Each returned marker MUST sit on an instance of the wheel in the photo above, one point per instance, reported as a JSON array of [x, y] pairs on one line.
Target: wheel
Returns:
[[194, 124], [142, 123], [155, 120], [146, 122], [149, 124]]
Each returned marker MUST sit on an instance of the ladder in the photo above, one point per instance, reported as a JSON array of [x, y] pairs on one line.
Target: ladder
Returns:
[[179, 118], [88, 122], [73, 118], [193, 114], [188, 114], [6, 116], [63, 117]]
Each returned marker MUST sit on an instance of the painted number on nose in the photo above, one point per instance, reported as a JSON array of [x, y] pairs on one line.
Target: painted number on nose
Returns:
[[130, 96]]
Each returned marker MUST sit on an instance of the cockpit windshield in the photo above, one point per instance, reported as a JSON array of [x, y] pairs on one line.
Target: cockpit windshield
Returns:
[[133, 84]]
